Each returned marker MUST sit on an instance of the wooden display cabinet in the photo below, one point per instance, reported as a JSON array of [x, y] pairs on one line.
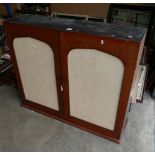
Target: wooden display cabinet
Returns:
[[79, 72]]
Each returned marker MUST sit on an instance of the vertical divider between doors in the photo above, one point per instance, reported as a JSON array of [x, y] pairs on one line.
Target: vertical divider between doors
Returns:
[[64, 72], [60, 78]]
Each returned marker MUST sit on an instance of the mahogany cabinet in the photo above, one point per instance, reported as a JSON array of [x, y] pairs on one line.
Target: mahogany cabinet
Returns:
[[79, 72]]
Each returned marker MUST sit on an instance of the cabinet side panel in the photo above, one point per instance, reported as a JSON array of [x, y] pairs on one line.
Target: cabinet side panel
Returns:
[[95, 80], [35, 61]]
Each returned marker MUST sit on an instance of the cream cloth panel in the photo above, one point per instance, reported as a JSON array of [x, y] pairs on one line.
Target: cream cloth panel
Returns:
[[95, 80], [35, 61]]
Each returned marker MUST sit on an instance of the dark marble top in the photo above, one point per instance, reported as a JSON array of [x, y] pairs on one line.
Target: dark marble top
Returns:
[[83, 26]]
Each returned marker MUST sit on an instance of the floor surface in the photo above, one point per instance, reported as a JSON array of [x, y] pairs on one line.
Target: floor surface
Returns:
[[24, 130]]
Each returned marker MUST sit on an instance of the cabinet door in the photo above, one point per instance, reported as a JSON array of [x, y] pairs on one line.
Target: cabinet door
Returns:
[[35, 52], [97, 81]]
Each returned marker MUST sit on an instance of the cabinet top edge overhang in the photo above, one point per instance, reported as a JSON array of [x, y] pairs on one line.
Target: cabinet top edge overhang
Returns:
[[124, 32]]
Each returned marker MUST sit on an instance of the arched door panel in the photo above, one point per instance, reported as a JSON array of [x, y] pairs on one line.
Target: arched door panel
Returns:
[[35, 61], [95, 80]]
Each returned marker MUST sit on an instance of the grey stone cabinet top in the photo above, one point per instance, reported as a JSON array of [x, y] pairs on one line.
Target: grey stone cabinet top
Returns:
[[81, 26]]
